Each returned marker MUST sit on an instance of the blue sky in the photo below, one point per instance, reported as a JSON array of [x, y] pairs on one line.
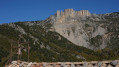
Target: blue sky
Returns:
[[30, 10]]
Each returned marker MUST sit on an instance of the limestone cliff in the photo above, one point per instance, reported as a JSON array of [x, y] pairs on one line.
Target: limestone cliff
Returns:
[[82, 28], [72, 13]]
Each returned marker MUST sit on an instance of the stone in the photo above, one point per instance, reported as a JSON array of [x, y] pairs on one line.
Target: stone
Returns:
[[68, 65], [114, 62], [103, 65], [89, 65], [57, 65], [72, 65], [109, 65], [49, 66], [78, 66], [117, 65]]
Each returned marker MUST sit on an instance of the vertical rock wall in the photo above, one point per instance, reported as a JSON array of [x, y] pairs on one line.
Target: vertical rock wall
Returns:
[[71, 12]]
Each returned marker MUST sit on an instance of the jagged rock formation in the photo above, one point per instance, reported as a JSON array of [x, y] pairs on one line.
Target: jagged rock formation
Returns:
[[82, 28], [72, 13]]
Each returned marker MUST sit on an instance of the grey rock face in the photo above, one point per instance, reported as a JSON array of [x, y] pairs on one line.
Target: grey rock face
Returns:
[[18, 28], [81, 28], [72, 13]]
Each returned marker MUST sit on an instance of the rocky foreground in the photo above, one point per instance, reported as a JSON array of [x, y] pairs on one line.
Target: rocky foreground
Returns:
[[65, 64]]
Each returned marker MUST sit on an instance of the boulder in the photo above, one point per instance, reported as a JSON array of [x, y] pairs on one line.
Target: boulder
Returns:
[[109, 65]]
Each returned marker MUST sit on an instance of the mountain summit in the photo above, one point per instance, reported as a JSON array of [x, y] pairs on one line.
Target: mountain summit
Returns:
[[72, 13]]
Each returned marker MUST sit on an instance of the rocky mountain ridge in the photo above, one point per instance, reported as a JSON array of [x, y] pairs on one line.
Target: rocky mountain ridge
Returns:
[[81, 27], [64, 36]]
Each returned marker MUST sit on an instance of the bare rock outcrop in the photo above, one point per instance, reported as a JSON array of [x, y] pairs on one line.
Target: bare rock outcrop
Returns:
[[70, 25], [83, 28], [72, 13]]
